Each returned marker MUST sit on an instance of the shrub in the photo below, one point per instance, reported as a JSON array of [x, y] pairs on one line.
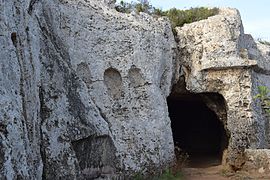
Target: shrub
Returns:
[[124, 7], [139, 6], [176, 16], [181, 17], [264, 42], [170, 175], [264, 96]]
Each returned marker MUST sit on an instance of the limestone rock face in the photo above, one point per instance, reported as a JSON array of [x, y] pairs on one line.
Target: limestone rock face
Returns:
[[82, 90], [83, 87], [20, 121], [257, 161], [216, 56]]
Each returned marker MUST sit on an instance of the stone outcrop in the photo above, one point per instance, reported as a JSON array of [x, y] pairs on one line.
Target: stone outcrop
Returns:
[[83, 87], [257, 161], [216, 56], [83, 90]]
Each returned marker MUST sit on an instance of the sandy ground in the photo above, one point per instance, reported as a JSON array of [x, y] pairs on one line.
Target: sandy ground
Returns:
[[218, 173]]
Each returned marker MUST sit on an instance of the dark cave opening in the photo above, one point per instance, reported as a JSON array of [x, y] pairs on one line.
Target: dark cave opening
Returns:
[[197, 130]]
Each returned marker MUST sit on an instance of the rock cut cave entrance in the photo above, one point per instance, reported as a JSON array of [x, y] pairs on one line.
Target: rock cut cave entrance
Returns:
[[197, 122]]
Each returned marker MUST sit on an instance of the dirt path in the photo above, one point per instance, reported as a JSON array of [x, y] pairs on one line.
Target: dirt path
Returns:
[[210, 173], [218, 173]]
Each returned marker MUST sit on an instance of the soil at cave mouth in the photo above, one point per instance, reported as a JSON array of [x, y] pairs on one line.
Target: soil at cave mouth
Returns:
[[219, 173]]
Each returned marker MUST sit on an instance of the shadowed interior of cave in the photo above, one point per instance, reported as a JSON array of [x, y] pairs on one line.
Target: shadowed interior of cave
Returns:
[[197, 130]]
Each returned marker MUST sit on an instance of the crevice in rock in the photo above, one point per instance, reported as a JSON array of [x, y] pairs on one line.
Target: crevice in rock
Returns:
[[260, 70], [43, 156], [2, 156], [44, 114], [13, 37], [3, 129], [29, 47], [44, 110], [16, 42], [31, 6], [27, 128]]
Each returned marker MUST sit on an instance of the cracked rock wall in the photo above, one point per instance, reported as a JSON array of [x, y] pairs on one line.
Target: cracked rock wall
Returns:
[[20, 122], [83, 90]]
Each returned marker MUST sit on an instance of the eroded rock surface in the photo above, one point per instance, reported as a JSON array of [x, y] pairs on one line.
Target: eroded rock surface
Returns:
[[257, 161], [216, 56], [83, 90]]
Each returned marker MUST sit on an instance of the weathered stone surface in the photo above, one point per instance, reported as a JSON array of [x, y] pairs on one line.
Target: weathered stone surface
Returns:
[[83, 90], [20, 136], [216, 56], [258, 161]]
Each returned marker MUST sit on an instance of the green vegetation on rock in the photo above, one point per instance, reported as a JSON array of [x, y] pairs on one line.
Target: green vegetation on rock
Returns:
[[139, 6], [264, 96], [264, 42], [177, 17], [168, 174], [181, 17]]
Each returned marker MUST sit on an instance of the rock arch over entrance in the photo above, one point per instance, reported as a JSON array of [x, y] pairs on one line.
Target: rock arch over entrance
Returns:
[[199, 126]]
